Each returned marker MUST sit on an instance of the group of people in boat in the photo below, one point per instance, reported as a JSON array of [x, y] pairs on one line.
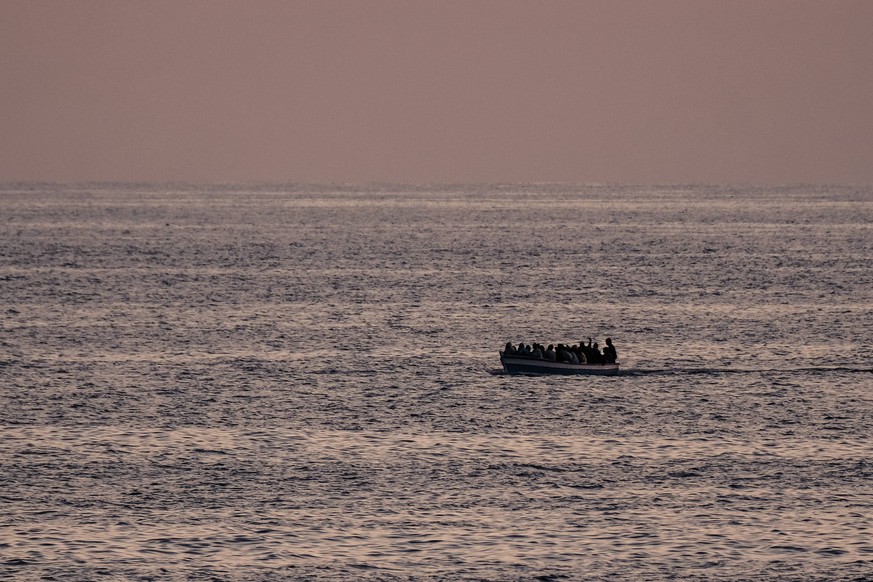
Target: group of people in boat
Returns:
[[575, 354]]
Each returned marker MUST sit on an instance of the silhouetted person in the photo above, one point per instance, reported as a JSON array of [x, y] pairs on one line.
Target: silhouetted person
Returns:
[[550, 354], [609, 352], [509, 350], [596, 356], [587, 351], [571, 355]]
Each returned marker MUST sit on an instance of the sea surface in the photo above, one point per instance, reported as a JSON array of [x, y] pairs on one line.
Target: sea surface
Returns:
[[270, 382]]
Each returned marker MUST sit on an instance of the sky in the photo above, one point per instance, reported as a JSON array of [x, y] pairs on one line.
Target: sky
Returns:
[[441, 91]]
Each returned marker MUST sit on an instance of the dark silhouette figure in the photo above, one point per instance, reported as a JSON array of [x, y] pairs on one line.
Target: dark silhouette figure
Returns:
[[587, 351], [609, 352], [595, 356]]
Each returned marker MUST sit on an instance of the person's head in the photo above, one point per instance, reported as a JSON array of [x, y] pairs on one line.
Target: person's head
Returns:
[[595, 346], [608, 342], [551, 346]]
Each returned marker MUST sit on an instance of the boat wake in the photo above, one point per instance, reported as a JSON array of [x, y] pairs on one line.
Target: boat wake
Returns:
[[725, 371]]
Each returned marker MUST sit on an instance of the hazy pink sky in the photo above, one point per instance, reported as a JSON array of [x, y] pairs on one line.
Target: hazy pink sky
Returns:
[[439, 91]]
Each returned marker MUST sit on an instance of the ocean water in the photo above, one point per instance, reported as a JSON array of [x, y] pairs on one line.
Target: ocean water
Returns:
[[267, 382]]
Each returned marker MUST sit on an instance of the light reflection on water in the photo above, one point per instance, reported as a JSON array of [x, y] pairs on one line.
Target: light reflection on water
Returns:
[[298, 382], [430, 502]]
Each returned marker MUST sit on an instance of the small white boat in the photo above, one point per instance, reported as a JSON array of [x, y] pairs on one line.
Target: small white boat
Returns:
[[526, 365]]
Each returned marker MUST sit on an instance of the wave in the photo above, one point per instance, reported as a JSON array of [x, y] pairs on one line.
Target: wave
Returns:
[[723, 371]]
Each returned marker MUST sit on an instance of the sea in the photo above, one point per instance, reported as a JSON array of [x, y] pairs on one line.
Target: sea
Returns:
[[301, 382]]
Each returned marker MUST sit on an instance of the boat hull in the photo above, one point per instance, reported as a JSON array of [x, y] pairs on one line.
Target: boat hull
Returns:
[[520, 365]]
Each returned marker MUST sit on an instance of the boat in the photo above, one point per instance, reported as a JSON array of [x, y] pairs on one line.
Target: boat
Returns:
[[526, 365]]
